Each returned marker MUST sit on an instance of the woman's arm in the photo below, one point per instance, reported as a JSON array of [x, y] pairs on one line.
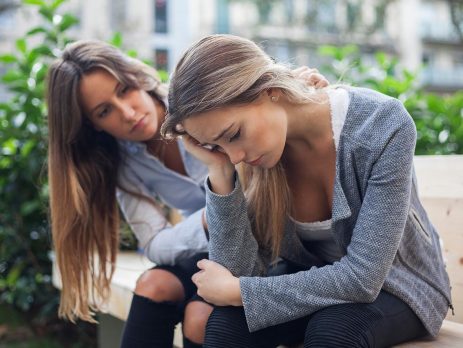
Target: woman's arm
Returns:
[[163, 243]]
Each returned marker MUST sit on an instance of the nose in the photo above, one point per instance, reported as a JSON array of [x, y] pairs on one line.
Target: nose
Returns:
[[236, 155], [128, 112]]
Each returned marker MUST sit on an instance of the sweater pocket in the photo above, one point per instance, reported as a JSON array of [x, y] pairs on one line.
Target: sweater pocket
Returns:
[[418, 226], [419, 251]]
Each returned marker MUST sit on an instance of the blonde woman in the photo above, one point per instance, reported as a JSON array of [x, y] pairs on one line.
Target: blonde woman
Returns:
[[327, 184], [104, 115]]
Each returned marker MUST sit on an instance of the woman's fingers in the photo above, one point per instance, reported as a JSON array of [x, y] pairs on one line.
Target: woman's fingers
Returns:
[[311, 76]]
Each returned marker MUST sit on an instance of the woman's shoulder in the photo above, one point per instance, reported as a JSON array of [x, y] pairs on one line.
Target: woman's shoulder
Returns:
[[366, 98], [374, 117]]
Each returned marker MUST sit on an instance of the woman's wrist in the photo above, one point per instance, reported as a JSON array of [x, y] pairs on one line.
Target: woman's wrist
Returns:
[[236, 299], [222, 179]]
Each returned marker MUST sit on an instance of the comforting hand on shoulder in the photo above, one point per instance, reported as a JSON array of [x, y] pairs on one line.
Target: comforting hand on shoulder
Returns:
[[217, 285], [311, 77]]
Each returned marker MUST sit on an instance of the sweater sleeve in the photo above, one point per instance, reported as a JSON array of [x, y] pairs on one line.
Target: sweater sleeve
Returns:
[[231, 242]]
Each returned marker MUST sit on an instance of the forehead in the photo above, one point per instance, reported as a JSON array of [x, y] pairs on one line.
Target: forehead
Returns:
[[206, 125], [95, 87]]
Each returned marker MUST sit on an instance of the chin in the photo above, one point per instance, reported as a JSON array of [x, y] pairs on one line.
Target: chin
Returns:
[[268, 164], [150, 134]]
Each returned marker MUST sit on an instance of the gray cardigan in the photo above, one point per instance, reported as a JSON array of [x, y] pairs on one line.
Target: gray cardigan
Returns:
[[378, 222]]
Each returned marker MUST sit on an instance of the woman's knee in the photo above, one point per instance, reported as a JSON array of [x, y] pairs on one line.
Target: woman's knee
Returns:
[[227, 327], [346, 325], [194, 323], [160, 285]]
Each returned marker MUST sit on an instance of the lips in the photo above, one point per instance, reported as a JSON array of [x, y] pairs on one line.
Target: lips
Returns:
[[139, 124], [255, 162]]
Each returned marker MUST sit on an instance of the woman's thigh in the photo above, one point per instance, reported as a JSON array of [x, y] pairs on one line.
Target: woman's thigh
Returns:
[[227, 328], [385, 322], [382, 323]]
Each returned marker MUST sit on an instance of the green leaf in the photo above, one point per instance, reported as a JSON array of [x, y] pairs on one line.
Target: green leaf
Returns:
[[9, 146], [34, 2], [8, 58], [21, 45], [36, 30], [13, 275], [6, 107], [51, 36], [12, 75], [56, 4], [116, 40], [27, 148], [47, 13], [30, 207], [41, 72], [67, 21], [132, 53], [163, 75], [42, 50], [327, 50], [5, 162]]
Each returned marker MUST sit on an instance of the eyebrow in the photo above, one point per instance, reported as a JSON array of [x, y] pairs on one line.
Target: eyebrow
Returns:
[[96, 107], [222, 133]]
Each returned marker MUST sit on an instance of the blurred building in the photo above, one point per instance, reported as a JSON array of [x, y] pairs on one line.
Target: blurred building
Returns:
[[417, 31]]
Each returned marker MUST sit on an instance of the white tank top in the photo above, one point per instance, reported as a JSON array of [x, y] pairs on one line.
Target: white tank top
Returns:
[[318, 234]]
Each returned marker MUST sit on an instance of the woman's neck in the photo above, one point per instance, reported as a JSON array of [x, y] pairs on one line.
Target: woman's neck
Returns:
[[309, 127]]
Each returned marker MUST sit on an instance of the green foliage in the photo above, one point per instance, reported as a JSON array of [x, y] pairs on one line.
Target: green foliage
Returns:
[[25, 239], [25, 267], [438, 118]]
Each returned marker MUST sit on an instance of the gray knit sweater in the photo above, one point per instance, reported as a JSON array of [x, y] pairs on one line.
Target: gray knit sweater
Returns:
[[378, 221]]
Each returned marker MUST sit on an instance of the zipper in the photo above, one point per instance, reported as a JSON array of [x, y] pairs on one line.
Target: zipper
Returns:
[[419, 275]]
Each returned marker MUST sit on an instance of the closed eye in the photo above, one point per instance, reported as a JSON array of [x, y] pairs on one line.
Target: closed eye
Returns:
[[213, 148], [124, 89], [104, 111], [235, 136]]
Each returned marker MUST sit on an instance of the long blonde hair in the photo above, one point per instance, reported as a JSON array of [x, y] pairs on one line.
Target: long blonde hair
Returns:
[[82, 169], [225, 70]]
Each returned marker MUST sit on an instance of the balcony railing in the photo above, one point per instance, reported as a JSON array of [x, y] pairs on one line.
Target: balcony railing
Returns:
[[439, 33], [447, 78]]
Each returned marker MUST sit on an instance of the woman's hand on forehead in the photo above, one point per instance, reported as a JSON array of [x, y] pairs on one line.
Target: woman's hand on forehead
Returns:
[[210, 155], [221, 169]]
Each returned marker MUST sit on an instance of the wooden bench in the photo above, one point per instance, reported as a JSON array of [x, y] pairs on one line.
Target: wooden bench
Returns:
[[440, 182]]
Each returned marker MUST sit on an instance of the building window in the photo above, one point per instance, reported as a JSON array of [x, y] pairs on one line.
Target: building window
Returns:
[[161, 59], [160, 16]]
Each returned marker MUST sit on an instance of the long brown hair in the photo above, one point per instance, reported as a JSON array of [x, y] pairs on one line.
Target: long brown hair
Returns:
[[225, 70], [83, 175]]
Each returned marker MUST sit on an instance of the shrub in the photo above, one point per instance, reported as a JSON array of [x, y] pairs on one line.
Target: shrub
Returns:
[[438, 118]]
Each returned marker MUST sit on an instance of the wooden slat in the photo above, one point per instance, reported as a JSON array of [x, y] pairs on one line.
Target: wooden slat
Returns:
[[450, 336], [440, 184]]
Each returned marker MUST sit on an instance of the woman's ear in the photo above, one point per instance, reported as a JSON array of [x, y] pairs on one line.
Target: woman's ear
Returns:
[[274, 94]]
